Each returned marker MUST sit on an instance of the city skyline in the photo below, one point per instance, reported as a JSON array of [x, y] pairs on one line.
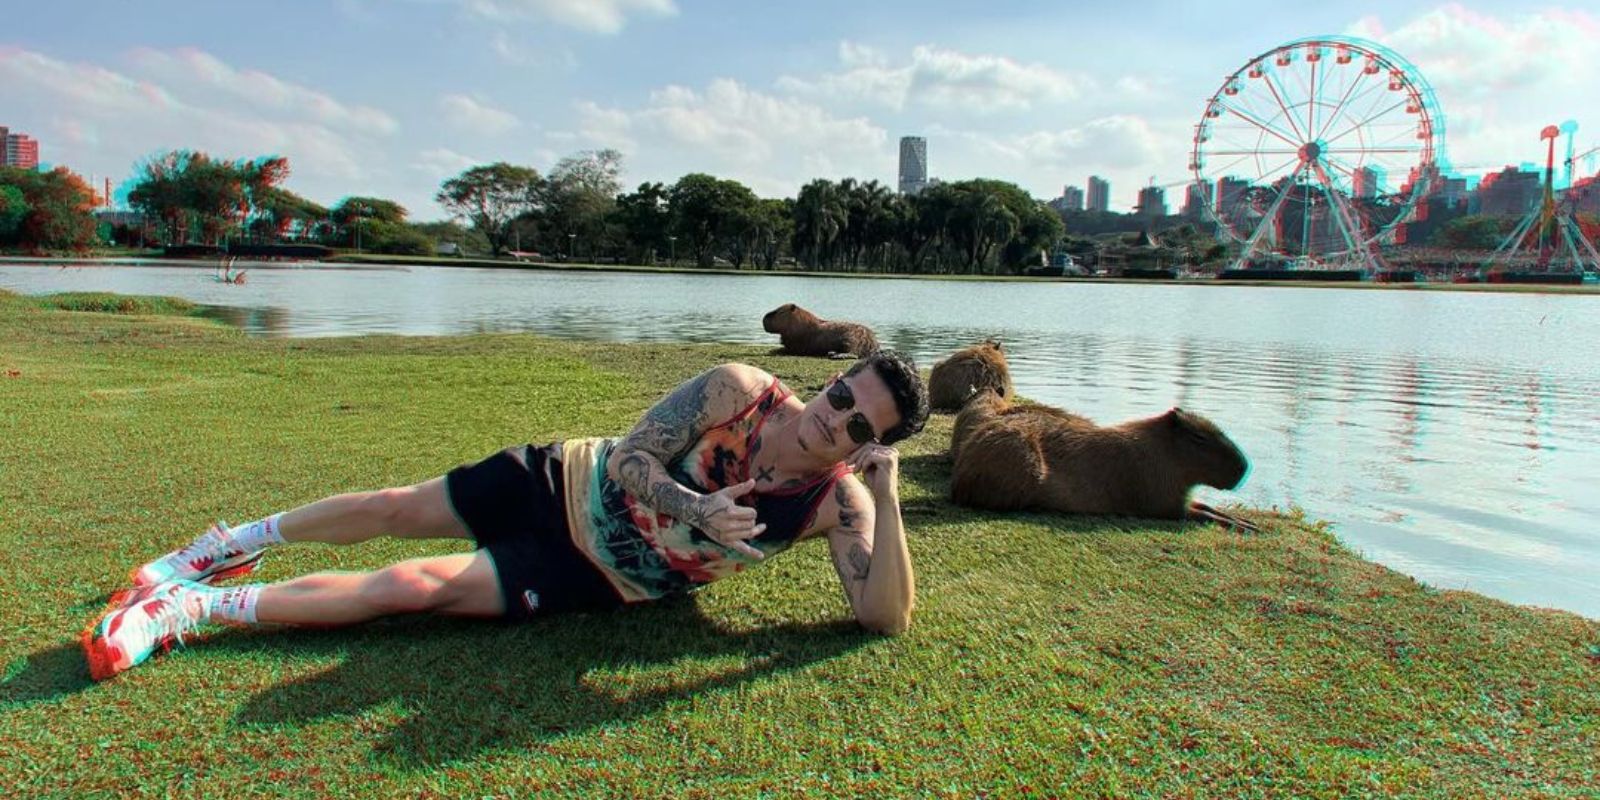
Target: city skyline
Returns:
[[388, 100]]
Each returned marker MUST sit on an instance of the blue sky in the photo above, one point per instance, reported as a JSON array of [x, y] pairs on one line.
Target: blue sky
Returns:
[[387, 97]]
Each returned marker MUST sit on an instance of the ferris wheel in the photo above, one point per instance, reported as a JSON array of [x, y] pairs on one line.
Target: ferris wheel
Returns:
[[1313, 152]]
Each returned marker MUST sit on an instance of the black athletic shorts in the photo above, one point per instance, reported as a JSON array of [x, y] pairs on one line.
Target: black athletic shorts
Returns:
[[514, 504]]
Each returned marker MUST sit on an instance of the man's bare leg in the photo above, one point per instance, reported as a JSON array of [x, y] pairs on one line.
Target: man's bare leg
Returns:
[[420, 511], [462, 584]]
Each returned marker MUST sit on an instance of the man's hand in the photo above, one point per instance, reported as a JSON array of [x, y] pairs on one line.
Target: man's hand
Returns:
[[719, 516], [879, 466]]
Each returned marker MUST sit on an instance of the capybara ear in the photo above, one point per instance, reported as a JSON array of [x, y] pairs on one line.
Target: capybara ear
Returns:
[[1174, 416]]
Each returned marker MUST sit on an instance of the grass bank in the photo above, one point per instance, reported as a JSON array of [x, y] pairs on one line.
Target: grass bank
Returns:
[[1049, 657]]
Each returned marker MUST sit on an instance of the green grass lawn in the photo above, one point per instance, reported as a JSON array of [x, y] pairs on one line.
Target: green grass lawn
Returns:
[[1050, 657]]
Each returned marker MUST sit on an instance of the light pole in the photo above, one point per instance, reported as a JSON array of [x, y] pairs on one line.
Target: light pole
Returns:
[[572, 247], [672, 246]]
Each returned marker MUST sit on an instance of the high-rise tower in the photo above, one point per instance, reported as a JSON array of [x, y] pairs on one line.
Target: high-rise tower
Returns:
[[913, 164], [1099, 193]]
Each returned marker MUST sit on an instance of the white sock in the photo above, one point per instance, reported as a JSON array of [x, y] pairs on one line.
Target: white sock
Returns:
[[257, 535], [235, 604]]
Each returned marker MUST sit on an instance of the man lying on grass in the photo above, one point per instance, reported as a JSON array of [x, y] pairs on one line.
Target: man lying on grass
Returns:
[[726, 470]]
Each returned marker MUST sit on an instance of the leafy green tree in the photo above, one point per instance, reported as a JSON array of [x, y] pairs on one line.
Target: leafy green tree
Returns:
[[1472, 232], [645, 222], [395, 238], [276, 210], [820, 216], [579, 195], [195, 195], [707, 212], [57, 209], [13, 210], [490, 197], [771, 228], [367, 223], [350, 209]]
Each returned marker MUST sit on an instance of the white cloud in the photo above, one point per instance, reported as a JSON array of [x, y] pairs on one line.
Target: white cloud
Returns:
[[773, 144], [1500, 79], [470, 115], [596, 16], [943, 79], [442, 162], [101, 121], [518, 53], [1125, 149], [206, 80]]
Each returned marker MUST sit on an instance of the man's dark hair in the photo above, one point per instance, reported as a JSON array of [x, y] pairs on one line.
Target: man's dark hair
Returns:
[[899, 373]]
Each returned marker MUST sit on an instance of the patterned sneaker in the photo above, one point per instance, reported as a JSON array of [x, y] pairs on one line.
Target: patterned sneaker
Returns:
[[208, 559], [151, 619]]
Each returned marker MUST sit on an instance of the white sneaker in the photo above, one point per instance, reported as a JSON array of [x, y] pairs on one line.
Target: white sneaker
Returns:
[[212, 557], [149, 620]]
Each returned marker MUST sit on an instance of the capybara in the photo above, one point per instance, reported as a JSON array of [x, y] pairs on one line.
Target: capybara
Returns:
[[805, 334], [1014, 457], [966, 372]]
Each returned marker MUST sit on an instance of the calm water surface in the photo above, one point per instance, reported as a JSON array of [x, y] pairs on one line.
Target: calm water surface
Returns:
[[1453, 436]]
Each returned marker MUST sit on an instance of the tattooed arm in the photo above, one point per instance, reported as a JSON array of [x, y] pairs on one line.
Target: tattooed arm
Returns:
[[668, 429], [869, 551]]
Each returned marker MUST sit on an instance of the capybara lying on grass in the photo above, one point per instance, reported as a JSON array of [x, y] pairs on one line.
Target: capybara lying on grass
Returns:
[[967, 372], [805, 334], [1015, 457]]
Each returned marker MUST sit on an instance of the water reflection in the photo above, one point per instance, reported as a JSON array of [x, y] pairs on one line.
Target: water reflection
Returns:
[[269, 321], [1454, 437]]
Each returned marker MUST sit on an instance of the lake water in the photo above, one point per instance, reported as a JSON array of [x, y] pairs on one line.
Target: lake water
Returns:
[[1453, 436]]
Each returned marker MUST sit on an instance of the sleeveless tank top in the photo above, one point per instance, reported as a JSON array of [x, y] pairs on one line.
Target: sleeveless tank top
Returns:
[[647, 555]]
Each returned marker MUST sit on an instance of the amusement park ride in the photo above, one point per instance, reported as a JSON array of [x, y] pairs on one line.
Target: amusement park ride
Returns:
[[1320, 149], [1550, 233]]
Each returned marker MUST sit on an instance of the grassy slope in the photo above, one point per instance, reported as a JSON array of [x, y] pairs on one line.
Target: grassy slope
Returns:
[[1049, 657]]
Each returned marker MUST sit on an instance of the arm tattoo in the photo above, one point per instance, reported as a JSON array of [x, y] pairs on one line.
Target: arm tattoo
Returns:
[[848, 516], [644, 477], [674, 422], [860, 562], [668, 429]]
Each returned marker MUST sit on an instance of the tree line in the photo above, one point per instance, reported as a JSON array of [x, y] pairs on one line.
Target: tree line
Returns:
[[576, 211], [579, 211]]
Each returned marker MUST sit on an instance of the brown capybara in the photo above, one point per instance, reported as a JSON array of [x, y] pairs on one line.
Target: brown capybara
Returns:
[[1015, 457], [805, 334], [966, 372], [987, 405]]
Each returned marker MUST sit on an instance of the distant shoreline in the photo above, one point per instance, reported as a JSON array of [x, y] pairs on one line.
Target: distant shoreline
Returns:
[[363, 261]]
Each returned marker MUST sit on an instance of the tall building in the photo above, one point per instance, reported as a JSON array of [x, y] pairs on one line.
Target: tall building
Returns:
[[1152, 202], [913, 164], [18, 150], [1072, 198], [1195, 199], [1099, 193], [1365, 183], [1510, 192]]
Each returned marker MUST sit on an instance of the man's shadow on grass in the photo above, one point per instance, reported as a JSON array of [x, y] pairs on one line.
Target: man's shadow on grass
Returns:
[[44, 676], [465, 686]]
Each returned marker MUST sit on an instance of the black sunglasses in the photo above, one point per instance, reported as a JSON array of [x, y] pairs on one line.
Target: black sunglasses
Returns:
[[842, 399]]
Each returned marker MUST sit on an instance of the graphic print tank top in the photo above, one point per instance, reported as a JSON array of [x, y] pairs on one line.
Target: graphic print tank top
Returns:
[[647, 555]]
